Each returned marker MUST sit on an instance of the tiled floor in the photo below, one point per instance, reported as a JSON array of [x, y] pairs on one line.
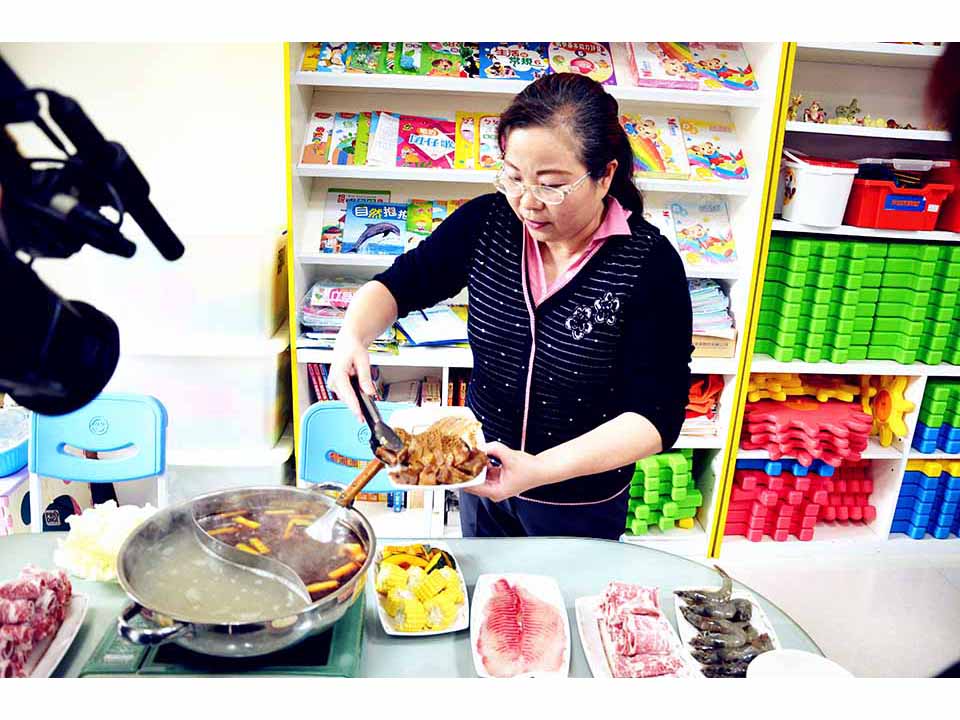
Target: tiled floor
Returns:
[[877, 616]]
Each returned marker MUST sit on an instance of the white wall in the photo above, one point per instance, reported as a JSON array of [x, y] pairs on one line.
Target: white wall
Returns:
[[205, 124]]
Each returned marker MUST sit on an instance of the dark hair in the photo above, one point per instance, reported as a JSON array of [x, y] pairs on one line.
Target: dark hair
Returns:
[[943, 93], [592, 116]]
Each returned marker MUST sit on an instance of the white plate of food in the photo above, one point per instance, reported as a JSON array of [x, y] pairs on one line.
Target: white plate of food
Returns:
[[48, 653], [455, 433], [600, 645], [519, 627], [416, 600], [753, 636]]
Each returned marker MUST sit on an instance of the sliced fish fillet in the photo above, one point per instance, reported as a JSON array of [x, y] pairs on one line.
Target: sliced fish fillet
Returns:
[[520, 633]]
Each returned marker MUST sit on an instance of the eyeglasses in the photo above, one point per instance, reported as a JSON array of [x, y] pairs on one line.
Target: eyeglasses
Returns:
[[544, 193]]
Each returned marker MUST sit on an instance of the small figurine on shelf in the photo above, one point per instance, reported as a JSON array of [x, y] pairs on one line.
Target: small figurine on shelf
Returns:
[[794, 108], [814, 113], [892, 124], [848, 112]]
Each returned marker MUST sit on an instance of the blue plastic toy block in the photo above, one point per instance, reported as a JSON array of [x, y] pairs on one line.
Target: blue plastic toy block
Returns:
[[899, 526], [770, 467], [951, 496], [924, 496], [941, 532], [917, 533], [917, 478]]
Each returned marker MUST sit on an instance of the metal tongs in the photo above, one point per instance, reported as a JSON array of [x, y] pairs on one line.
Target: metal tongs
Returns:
[[386, 445]]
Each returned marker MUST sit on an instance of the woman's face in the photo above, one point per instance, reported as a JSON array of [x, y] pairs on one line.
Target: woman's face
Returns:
[[547, 156]]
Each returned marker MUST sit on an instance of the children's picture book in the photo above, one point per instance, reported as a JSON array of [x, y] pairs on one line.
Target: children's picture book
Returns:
[[469, 60], [438, 325], [439, 213], [703, 232], [488, 155], [655, 68], [513, 60], [365, 57], [390, 57], [426, 142], [330, 57], [343, 143], [465, 149], [316, 144], [382, 146], [311, 55], [335, 214], [419, 220], [713, 150], [366, 129], [693, 66], [444, 59], [410, 58], [592, 59], [660, 217], [657, 144], [373, 228]]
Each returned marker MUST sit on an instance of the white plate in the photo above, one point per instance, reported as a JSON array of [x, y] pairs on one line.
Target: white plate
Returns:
[[794, 664], [462, 621], [48, 654], [759, 620], [544, 588], [416, 420], [588, 616]]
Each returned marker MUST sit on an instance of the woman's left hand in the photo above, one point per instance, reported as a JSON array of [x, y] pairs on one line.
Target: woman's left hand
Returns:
[[518, 472]]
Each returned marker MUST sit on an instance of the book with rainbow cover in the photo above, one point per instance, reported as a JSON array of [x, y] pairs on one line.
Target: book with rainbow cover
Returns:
[[702, 230], [713, 150], [657, 144]]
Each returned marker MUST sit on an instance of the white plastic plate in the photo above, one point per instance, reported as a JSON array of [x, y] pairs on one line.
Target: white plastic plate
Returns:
[[462, 622], [588, 616], [794, 664], [48, 654], [544, 588], [759, 620], [416, 420]]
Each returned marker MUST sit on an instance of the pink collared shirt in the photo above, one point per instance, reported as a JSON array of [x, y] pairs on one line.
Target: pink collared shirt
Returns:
[[614, 223]]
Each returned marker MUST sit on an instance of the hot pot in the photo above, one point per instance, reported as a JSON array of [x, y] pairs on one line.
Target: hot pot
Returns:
[[234, 639]]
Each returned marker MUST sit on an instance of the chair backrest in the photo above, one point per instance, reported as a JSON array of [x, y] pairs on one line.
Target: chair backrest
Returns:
[[116, 437], [334, 446]]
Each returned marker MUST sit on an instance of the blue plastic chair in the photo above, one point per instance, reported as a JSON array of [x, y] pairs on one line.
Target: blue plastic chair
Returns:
[[334, 447], [118, 437]]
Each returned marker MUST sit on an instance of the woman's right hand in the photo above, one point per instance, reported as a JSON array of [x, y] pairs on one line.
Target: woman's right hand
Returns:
[[350, 357]]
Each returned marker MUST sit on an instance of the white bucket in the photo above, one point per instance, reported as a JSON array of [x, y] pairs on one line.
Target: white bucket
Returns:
[[815, 190]]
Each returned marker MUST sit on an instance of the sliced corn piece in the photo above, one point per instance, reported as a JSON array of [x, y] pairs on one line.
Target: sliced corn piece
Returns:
[[411, 617], [390, 577], [450, 576], [395, 599], [428, 586], [454, 593], [414, 575], [441, 612]]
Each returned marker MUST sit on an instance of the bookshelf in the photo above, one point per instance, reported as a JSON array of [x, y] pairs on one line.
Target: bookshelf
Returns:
[[888, 77], [752, 112]]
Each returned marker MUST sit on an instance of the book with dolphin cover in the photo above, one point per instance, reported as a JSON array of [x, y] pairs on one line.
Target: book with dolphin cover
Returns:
[[373, 228]]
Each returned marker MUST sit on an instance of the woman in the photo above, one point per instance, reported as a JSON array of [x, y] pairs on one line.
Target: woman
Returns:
[[579, 320]]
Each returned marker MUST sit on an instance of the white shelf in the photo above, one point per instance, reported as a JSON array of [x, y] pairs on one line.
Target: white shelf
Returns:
[[691, 543], [766, 364], [868, 233], [721, 272], [874, 451], [463, 358], [475, 86], [839, 538], [874, 132], [938, 455], [878, 54], [695, 442], [346, 260], [486, 177]]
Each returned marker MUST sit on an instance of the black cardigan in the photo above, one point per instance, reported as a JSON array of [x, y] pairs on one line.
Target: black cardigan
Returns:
[[615, 339]]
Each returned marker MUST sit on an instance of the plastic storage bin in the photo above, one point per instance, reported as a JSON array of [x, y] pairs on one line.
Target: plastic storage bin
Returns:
[[881, 204], [949, 219], [815, 190], [229, 396]]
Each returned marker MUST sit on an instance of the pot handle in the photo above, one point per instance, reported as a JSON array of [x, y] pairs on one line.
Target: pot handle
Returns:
[[145, 636]]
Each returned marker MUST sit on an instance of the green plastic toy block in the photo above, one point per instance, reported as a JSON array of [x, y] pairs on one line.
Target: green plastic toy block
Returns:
[[904, 295], [930, 357], [896, 354], [778, 322], [911, 265], [851, 266], [944, 315], [797, 264], [913, 252], [835, 326], [857, 352], [666, 524], [860, 338], [939, 330], [694, 499], [907, 280], [638, 527], [786, 277], [872, 280], [896, 325], [901, 310], [678, 493], [945, 284], [874, 265], [863, 324], [835, 355], [843, 296], [893, 339], [813, 325]]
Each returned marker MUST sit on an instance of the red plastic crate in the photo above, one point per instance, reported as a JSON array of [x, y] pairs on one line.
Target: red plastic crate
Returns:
[[950, 213], [881, 204]]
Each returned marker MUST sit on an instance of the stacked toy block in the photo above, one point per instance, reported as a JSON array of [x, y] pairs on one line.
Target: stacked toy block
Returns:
[[938, 426], [929, 500], [783, 499], [663, 493], [842, 300], [807, 429]]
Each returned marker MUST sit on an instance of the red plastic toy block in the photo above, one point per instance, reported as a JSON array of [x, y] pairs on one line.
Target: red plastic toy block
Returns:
[[835, 416]]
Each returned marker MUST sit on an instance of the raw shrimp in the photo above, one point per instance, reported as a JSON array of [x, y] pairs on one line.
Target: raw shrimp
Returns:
[[744, 610], [744, 654], [726, 670], [709, 596], [721, 610], [730, 637]]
